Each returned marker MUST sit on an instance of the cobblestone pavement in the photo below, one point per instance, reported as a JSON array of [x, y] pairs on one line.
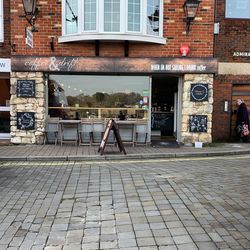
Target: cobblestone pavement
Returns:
[[199, 203]]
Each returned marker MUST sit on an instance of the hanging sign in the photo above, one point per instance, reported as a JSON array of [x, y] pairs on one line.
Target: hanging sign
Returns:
[[199, 92], [29, 38]]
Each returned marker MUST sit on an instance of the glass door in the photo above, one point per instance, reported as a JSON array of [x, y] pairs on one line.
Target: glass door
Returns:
[[5, 109]]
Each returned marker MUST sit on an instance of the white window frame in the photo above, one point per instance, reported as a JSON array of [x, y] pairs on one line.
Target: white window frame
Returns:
[[1, 22], [122, 35]]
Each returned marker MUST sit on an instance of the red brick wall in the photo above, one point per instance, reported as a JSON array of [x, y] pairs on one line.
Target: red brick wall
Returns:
[[234, 36], [200, 39], [223, 86], [5, 46]]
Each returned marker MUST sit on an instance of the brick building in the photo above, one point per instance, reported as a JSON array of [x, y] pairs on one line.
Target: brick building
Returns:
[[232, 49], [97, 58], [5, 68]]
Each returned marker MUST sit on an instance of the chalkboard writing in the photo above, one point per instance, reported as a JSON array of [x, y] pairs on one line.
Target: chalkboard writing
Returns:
[[199, 92], [25, 120], [198, 123], [26, 88], [111, 125]]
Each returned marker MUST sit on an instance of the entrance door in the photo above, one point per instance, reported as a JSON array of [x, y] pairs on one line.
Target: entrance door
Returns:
[[240, 91], [163, 115], [4, 109]]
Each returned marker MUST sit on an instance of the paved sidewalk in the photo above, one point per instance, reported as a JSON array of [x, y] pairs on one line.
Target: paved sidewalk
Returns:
[[90, 153], [168, 204]]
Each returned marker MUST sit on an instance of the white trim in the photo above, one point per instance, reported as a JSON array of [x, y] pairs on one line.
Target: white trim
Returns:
[[122, 35], [1, 22], [113, 37], [4, 109], [4, 136]]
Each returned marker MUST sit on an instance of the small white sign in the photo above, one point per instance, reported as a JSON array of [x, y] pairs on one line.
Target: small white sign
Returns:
[[29, 38], [5, 65]]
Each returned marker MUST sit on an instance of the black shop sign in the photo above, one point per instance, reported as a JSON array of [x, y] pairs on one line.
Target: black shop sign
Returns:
[[26, 120], [198, 123], [199, 92], [26, 88]]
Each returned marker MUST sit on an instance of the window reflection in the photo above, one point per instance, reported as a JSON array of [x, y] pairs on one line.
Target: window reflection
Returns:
[[153, 17], [71, 16], [73, 97]]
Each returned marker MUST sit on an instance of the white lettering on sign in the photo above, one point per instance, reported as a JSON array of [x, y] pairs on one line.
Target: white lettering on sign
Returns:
[[54, 64], [5, 65], [178, 67], [244, 53]]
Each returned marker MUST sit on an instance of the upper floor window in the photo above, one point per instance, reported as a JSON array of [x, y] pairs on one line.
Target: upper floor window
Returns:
[[1, 22], [238, 9], [136, 20]]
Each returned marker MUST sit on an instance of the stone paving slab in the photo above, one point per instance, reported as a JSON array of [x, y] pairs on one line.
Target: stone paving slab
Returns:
[[196, 203]]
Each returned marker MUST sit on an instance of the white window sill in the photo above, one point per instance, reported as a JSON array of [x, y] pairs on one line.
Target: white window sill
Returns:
[[112, 37]]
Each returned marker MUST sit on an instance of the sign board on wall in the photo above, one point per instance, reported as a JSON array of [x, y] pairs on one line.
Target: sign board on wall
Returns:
[[26, 120], [115, 65], [199, 92], [26, 88], [198, 123], [5, 65]]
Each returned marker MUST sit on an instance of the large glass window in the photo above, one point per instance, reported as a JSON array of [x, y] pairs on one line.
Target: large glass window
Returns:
[[238, 9], [74, 97], [113, 20], [1, 22]]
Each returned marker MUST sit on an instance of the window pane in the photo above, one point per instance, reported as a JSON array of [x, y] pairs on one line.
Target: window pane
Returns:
[[71, 16], [112, 15], [89, 15], [134, 15], [238, 9], [72, 96], [153, 17]]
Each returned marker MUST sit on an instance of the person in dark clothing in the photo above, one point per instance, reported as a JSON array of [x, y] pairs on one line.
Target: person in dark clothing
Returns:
[[121, 116], [242, 119]]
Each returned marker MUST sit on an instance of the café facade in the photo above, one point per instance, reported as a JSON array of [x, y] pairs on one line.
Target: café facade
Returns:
[[174, 95], [139, 60]]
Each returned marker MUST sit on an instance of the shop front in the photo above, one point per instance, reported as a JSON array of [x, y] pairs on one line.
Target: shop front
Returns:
[[5, 67], [174, 97]]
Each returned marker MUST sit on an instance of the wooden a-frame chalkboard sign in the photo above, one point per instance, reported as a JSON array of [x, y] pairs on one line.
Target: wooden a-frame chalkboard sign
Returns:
[[111, 125]]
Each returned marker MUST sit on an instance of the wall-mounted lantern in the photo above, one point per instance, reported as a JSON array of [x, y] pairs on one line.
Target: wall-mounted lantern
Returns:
[[31, 12], [190, 9]]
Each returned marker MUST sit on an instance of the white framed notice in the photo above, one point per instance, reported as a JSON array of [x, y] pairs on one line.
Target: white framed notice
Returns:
[[5, 64]]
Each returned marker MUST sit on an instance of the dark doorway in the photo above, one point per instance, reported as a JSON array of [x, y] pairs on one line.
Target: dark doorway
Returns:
[[164, 93]]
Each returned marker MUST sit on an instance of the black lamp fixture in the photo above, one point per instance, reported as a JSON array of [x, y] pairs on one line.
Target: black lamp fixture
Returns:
[[31, 12], [190, 9]]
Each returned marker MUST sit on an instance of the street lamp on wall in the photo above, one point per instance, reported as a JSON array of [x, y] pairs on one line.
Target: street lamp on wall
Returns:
[[190, 9], [31, 12]]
